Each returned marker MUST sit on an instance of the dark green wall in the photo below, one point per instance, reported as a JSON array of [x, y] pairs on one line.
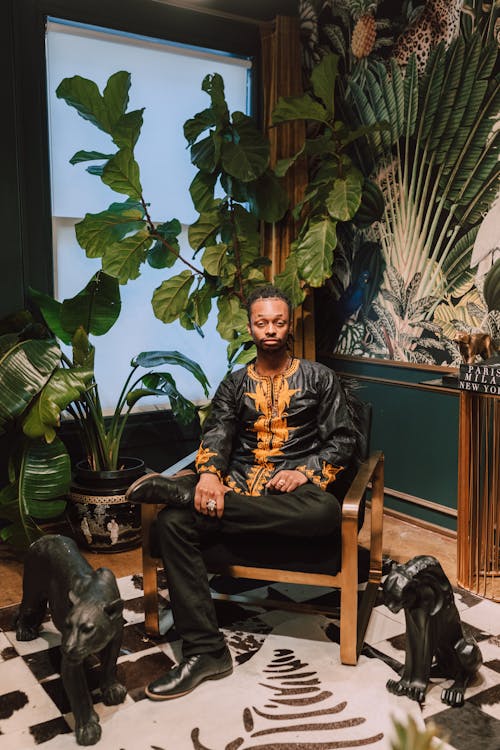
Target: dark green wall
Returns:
[[415, 423]]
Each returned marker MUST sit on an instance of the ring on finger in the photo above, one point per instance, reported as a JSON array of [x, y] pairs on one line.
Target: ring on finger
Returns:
[[211, 505]]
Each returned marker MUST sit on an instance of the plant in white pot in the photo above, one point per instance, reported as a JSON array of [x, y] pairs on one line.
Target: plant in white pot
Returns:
[[99, 515]]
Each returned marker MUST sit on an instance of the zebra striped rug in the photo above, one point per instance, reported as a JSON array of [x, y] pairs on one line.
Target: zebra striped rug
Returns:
[[288, 690]]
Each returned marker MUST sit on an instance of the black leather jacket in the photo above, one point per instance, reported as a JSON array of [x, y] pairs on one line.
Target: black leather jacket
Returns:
[[259, 425]]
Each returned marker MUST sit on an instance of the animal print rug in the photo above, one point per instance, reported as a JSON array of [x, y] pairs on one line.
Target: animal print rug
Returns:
[[260, 706]]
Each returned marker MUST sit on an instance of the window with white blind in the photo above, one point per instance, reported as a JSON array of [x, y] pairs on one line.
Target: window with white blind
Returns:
[[166, 80]]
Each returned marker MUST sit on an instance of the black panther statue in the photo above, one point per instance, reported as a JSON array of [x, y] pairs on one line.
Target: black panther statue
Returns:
[[86, 608], [433, 630]]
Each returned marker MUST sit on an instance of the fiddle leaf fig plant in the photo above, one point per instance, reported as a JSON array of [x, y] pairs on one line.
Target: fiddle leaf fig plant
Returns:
[[233, 190], [337, 190]]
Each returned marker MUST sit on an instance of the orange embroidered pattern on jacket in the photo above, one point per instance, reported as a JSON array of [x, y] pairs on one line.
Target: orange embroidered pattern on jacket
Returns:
[[258, 477], [204, 455], [271, 397], [330, 472], [327, 476]]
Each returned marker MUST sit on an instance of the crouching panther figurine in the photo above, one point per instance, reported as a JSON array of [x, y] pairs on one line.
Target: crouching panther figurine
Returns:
[[433, 630], [86, 608]]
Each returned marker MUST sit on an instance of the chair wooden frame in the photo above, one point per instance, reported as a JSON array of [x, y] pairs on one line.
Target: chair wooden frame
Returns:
[[353, 617]]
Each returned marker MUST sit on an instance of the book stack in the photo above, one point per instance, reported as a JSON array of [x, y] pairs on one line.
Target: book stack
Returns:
[[480, 378]]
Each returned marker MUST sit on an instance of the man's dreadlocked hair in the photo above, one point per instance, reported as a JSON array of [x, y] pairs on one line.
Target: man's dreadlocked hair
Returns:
[[268, 292]]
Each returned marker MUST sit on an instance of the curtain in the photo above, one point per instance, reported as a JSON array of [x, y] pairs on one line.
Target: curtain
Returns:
[[282, 76]]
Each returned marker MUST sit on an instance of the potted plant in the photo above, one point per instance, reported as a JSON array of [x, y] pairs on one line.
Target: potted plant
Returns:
[[99, 516]]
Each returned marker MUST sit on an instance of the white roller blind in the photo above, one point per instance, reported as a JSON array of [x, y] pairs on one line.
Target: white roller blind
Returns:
[[166, 80]]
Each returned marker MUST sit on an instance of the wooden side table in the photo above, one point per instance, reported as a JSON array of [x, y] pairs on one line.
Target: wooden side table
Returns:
[[478, 530]]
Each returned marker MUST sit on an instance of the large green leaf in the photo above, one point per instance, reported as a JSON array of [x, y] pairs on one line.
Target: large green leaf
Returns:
[[491, 287], [232, 318], [323, 78], [246, 155], [45, 477], [170, 298], [163, 384], [444, 97], [298, 108], [43, 417], [96, 308], [344, 198], [97, 231], [159, 359], [213, 84], [162, 255], [456, 265], [198, 308], [123, 259], [247, 230], [159, 256], [128, 129], [22, 530], [115, 95], [314, 253], [83, 350], [85, 97], [121, 174], [197, 124], [268, 198], [203, 229], [288, 280], [202, 191], [26, 367], [371, 208], [411, 95], [82, 156], [50, 308], [213, 259], [205, 153]]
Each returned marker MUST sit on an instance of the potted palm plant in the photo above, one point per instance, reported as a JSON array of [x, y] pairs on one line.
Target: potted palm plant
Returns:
[[100, 517]]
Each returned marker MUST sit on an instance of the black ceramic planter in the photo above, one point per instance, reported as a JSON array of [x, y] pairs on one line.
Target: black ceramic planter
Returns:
[[101, 519]]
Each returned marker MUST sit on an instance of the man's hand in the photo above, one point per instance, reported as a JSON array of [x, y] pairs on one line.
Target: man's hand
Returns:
[[210, 488], [287, 480]]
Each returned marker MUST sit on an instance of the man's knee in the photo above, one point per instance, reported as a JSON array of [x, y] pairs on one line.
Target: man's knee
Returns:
[[173, 521], [323, 517]]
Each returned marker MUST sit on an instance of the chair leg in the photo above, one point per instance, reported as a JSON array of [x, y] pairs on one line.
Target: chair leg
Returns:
[[353, 619], [149, 573], [349, 593]]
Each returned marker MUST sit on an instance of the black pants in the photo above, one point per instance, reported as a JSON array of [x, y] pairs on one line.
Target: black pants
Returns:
[[306, 512]]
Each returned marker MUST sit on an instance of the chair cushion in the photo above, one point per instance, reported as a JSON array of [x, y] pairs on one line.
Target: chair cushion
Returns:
[[319, 555]]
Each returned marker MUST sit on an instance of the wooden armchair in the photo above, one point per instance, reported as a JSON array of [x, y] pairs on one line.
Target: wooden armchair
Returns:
[[331, 562]]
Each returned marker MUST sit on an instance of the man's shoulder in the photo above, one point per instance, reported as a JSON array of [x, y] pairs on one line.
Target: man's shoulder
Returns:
[[308, 365], [235, 377]]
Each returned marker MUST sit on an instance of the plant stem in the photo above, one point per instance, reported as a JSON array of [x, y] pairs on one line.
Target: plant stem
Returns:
[[170, 248]]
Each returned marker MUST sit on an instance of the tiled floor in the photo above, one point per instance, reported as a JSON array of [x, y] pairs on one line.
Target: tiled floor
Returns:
[[344, 706]]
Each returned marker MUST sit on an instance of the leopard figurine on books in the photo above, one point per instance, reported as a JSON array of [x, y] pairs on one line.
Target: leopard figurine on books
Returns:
[[86, 608]]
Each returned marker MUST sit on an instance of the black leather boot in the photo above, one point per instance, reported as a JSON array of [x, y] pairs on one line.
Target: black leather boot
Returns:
[[155, 488]]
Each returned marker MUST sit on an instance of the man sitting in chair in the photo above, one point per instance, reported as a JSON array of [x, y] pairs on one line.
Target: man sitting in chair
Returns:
[[278, 434]]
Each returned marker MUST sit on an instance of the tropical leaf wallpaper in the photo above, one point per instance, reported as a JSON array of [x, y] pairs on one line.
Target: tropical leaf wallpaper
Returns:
[[404, 287]]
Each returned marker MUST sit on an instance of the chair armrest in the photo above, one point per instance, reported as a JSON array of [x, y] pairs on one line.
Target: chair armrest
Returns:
[[352, 500], [181, 464]]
